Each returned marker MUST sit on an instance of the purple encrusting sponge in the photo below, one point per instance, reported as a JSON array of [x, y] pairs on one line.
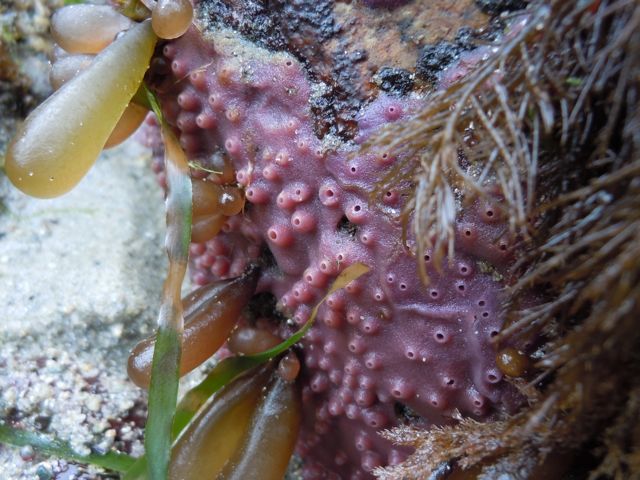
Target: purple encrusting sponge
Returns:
[[387, 349]]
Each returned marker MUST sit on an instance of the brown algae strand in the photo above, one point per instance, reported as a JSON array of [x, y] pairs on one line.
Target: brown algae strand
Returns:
[[289, 367], [227, 172], [231, 200], [57, 53], [67, 68], [206, 227], [61, 139], [249, 340], [131, 119], [87, 28], [512, 362], [205, 198], [210, 314], [211, 205], [267, 449], [171, 18], [215, 434]]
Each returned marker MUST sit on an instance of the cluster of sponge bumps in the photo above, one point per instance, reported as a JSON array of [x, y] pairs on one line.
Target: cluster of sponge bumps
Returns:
[[387, 349]]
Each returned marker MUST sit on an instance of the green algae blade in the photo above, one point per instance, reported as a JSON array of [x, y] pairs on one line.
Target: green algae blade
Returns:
[[147, 98], [163, 391], [119, 462], [163, 394], [61, 139], [232, 367]]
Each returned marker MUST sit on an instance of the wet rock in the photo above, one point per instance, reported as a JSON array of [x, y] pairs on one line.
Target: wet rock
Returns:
[[496, 7], [394, 80], [435, 58]]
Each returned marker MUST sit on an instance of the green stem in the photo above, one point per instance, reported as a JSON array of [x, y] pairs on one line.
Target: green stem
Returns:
[[119, 462]]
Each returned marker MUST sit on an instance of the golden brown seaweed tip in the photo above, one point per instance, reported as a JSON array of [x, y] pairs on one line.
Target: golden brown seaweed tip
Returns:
[[61, 139]]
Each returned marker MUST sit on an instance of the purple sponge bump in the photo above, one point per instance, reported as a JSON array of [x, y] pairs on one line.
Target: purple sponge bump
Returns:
[[387, 349]]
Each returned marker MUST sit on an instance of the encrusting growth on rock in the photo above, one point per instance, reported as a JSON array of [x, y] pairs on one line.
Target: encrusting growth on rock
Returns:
[[310, 206], [565, 153]]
